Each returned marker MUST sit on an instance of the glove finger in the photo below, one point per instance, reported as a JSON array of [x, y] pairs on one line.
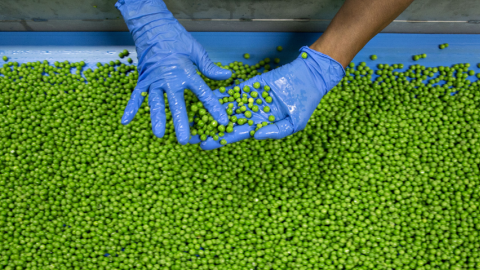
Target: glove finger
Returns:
[[157, 111], [209, 69], [219, 94], [209, 100], [278, 130], [239, 133], [179, 115], [133, 104]]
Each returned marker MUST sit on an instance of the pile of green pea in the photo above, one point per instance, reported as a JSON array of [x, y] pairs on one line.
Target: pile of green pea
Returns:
[[384, 176], [204, 125]]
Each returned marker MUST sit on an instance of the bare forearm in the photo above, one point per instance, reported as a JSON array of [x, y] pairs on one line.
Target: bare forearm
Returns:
[[355, 24]]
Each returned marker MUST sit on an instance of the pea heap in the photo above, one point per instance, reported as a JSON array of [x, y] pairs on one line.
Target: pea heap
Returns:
[[204, 124], [251, 101], [385, 176]]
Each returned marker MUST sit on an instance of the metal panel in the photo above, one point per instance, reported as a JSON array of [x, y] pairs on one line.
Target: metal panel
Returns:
[[423, 16]]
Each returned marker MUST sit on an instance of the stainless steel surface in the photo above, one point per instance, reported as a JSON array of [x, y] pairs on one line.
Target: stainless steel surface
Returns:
[[423, 16]]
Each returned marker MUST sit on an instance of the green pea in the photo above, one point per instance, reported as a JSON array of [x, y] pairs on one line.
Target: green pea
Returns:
[[242, 121]]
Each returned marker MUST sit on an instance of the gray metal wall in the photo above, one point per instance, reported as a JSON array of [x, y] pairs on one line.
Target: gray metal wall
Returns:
[[423, 16]]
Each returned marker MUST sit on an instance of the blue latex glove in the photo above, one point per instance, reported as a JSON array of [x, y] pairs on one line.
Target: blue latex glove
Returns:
[[166, 57], [296, 89]]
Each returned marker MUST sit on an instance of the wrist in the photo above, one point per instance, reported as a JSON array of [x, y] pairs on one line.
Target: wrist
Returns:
[[323, 67], [334, 49]]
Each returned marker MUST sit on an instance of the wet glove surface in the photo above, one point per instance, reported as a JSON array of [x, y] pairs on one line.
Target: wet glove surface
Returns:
[[295, 89]]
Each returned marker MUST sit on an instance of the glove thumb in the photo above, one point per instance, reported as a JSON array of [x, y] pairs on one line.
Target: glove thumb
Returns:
[[278, 130], [212, 71]]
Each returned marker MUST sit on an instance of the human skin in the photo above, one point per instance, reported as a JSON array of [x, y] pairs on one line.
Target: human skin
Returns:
[[355, 24]]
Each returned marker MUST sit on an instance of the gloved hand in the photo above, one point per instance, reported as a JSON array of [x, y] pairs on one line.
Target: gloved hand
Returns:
[[166, 57], [296, 90]]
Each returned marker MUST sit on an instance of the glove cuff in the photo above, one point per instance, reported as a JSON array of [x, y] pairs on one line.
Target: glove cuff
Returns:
[[323, 66], [135, 8], [141, 15]]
